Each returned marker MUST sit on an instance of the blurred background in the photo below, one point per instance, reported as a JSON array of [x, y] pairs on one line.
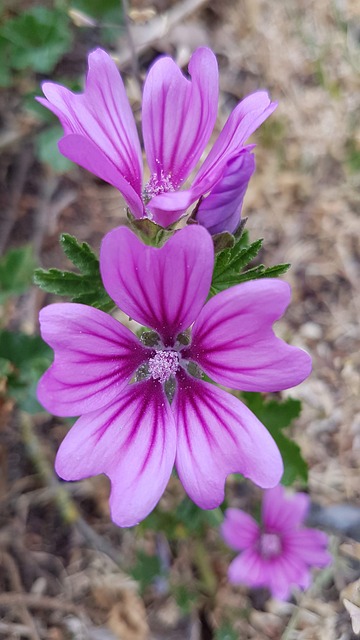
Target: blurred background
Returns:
[[66, 572]]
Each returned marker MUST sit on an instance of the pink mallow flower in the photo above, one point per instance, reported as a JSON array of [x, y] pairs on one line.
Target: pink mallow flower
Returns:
[[279, 553], [178, 117], [143, 404]]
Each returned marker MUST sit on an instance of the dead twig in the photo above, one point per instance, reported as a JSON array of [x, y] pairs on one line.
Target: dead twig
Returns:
[[34, 601], [8, 629], [63, 500], [42, 215], [16, 190]]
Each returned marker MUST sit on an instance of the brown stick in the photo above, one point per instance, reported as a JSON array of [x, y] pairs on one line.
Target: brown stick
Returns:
[[34, 601], [143, 36]]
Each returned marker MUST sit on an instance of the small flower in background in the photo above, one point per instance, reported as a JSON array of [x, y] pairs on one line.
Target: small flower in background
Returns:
[[143, 404], [178, 117], [279, 553]]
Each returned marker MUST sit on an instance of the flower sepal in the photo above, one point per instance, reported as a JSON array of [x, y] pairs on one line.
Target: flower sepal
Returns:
[[149, 231], [226, 240], [222, 241]]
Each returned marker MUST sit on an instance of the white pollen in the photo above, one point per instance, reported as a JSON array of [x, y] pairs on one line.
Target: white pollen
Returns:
[[159, 184], [163, 365]]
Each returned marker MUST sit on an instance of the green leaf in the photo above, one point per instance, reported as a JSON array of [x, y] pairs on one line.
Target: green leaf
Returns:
[[196, 519], [226, 632], [146, 569], [62, 283], [277, 415], [187, 519], [353, 155], [22, 349], [47, 149], [229, 262], [5, 70], [39, 37], [106, 10], [79, 288], [27, 358], [185, 596], [229, 265], [85, 287], [16, 268], [275, 271], [5, 368], [80, 254], [261, 271]]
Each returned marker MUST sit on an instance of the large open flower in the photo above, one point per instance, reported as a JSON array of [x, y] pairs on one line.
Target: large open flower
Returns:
[[178, 117], [279, 553], [143, 404]]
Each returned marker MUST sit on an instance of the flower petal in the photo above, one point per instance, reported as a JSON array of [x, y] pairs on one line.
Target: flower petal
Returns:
[[221, 210], [179, 114], [95, 356], [161, 288], [286, 572], [239, 529], [133, 442], [277, 574], [86, 154], [233, 340], [309, 545], [281, 512], [218, 435], [242, 122], [166, 208], [282, 576], [101, 114], [250, 569]]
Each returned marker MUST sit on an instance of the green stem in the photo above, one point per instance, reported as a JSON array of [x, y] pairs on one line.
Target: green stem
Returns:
[[67, 508], [208, 579]]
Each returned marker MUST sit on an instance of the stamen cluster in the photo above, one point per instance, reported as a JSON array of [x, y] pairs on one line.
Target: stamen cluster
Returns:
[[163, 365]]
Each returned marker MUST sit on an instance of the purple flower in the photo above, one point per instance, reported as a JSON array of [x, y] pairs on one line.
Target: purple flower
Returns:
[[178, 117], [143, 404], [279, 553]]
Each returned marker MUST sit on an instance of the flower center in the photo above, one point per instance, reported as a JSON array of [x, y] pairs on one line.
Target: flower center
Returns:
[[163, 365], [159, 184], [270, 545]]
